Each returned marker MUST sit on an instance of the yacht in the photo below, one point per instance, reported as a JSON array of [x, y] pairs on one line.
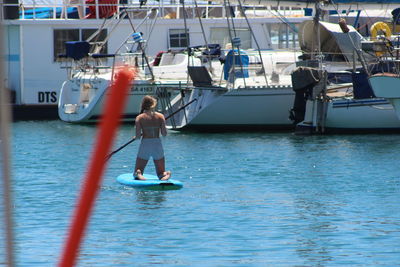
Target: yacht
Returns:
[[333, 100]]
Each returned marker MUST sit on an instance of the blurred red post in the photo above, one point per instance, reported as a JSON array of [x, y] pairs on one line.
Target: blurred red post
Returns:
[[114, 106]]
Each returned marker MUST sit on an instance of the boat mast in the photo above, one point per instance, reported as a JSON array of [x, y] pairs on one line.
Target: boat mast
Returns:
[[233, 43], [187, 38], [255, 39], [203, 33]]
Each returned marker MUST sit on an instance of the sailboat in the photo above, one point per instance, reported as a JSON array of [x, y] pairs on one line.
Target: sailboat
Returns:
[[323, 105], [82, 95], [253, 91], [386, 82], [242, 104], [386, 85]]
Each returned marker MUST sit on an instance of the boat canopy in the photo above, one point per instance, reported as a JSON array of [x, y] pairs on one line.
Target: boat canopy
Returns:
[[333, 41]]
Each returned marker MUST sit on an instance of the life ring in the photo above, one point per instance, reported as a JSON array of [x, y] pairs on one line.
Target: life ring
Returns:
[[379, 27]]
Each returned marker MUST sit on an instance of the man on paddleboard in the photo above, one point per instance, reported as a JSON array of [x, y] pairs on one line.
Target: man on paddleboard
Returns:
[[149, 124]]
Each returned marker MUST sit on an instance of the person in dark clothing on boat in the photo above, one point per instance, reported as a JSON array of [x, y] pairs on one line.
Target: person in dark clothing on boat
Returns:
[[149, 124]]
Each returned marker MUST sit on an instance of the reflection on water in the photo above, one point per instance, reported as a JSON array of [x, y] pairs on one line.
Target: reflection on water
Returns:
[[313, 238], [150, 199]]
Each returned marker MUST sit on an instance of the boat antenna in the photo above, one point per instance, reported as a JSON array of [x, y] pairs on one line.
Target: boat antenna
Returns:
[[203, 32]]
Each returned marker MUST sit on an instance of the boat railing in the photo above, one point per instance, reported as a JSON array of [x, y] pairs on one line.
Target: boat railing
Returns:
[[98, 64], [99, 9]]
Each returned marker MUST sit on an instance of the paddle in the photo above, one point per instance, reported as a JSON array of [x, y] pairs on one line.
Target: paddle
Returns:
[[133, 139]]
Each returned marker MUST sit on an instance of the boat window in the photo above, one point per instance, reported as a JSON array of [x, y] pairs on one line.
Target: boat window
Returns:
[[65, 35], [283, 35], [220, 35], [100, 37], [60, 37], [177, 38]]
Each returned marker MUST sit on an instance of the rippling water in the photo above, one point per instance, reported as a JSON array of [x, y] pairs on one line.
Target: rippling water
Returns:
[[249, 199]]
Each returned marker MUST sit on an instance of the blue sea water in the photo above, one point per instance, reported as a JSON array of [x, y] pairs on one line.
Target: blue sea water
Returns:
[[249, 199]]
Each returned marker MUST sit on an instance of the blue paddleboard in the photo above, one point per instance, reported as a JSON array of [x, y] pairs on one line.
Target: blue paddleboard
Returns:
[[151, 183]]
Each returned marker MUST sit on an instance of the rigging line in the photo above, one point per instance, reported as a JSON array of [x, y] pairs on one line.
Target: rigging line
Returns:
[[203, 32], [291, 25], [255, 39], [96, 37], [232, 14], [141, 48], [283, 19], [105, 23], [233, 48], [152, 27], [5, 118], [97, 33], [359, 53], [130, 35], [231, 39]]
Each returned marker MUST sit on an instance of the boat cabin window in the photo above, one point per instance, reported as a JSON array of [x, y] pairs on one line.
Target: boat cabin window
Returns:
[[283, 36], [220, 35], [177, 38], [65, 35], [62, 36]]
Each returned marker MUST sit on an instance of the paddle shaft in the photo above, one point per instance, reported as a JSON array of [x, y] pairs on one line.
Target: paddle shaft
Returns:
[[133, 139]]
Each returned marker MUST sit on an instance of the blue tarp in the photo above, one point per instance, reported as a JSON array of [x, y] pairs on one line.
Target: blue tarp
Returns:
[[48, 13], [241, 64]]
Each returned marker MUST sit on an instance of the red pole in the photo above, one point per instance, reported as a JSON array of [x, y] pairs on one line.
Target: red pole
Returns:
[[113, 109]]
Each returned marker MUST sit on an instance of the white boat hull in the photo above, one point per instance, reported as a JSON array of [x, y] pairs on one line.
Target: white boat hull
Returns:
[[387, 87], [218, 109], [78, 106], [351, 115]]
